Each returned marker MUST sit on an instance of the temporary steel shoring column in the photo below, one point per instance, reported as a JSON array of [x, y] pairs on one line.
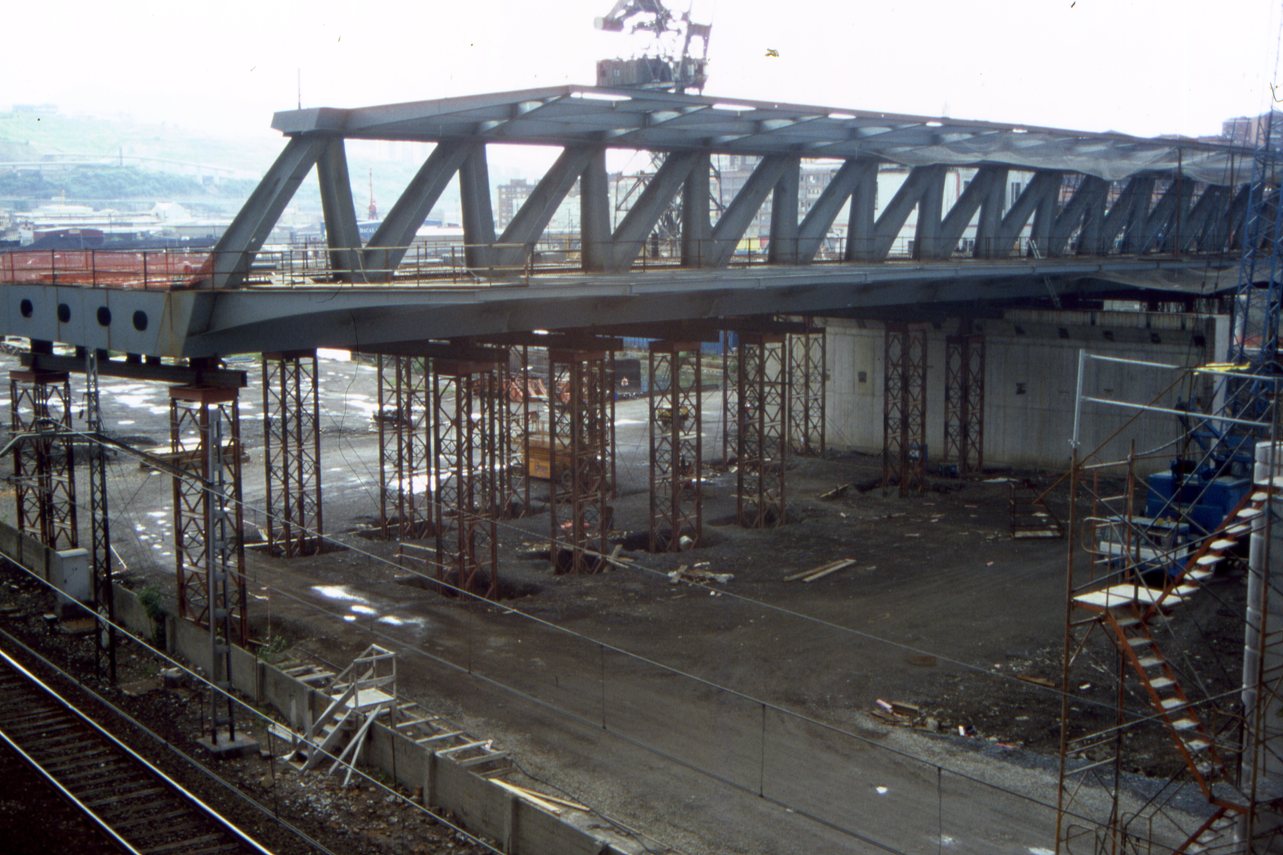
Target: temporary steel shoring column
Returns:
[[104, 600], [43, 467], [579, 469], [761, 441], [904, 423], [676, 506], [207, 506], [465, 409], [405, 484], [292, 453], [806, 392], [964, 402], [730, 397], [514, 411]]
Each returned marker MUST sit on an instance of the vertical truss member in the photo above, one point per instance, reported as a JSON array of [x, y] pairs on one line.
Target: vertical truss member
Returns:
[[103, 598], [676, 497], [465, 408], [292, 453], [730, 397], [208, 546], [579, 468], [806, 392], [761, 440], [405, 485], [964, 402], [514, 412], [904, 422], [44, 466]]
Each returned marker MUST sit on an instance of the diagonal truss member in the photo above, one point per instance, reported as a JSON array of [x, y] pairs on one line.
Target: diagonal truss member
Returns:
[[964, 402], [43, 467], [405, 431], [676, 500], [465, 410], [579, 465], [904, 421], [292, 452], [806, 392], [204, 437], [761, 436]]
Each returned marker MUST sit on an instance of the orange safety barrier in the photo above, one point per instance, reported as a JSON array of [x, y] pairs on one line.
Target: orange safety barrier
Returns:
[[161, 269]]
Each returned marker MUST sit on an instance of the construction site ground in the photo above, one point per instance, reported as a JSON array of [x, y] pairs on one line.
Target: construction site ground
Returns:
[[906, 702]]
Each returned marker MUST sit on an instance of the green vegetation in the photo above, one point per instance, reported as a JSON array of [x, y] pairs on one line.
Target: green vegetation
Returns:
[[113, 183]]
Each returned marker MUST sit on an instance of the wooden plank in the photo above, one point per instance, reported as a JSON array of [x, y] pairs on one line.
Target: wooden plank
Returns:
[[832, 568]]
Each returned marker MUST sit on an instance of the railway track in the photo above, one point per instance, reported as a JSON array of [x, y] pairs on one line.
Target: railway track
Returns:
[[140, 807]]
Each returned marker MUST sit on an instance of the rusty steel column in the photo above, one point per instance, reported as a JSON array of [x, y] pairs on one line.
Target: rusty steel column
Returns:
[[730, 396], [43, 466], [904, 414], [579, 468], [405, 429], [465, 413], [676, 497], [964, 402], [209, 550], [103, 598], [762, 440], [292, 453], [806, 392]]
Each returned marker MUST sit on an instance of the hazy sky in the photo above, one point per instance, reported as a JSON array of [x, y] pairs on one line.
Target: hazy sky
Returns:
[[1139, 66]]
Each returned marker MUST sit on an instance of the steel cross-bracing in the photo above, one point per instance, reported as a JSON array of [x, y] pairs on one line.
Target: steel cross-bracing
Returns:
[[579, 470], [516, 417], [964, 402], [103, 599], [44, 464], [904, 419], [730, 395], [675, 430], [209, 550], [762, 430], [405, 441], [806, 378], [292, 453], [465, 407]]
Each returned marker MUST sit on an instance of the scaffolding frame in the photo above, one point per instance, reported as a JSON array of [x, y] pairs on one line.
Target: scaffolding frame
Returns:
[[675, 405], [579, 467], [465, 406], [904, 419], [209, 551], [762, 436], [515, 423], [292, 453], [405, 446], [964, 403], [103, 597], [806, 379], [44, 465], [730, 396]]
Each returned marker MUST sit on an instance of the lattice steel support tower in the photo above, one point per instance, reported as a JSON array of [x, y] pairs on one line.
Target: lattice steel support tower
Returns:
[[103, 597], [405, 444], [676, 420], [292, 453], [465, 410], [208, 547], [43, 466], [964, 402], [579, 466], [515, 416], [904, 419], [761, 419], [806, 392], [730, 395]]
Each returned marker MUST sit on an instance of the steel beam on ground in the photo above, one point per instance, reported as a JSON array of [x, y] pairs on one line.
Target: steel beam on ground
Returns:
[[292, 453], [578, 466], [208, 521], [44, 465], [762, 431], [964, 402], [904, 422], [806, 378], [675, 429], [405, 431], [465, 410]]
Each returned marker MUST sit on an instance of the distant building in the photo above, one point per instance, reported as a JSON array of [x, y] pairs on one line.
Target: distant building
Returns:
[[1250, 130]]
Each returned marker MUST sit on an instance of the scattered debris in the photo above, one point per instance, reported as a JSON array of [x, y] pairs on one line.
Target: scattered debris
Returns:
[[1037, 681], [552, 804], [698, 577], [898, 712], [837, 492], [821, 571]]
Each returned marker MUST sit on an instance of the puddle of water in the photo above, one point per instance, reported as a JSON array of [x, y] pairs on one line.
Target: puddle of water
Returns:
[[360, 606], [339, 592]]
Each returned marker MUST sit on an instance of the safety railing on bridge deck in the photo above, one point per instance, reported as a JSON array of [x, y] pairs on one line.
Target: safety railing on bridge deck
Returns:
[[439, 263]]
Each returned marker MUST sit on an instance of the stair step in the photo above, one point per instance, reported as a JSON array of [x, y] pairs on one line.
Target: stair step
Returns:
[[1195, 746], [1249, 513], [1199, 575], [1170, 704], [1162, 682], [1260, 495], [1208, 560], [1221, 544], [1184, 724], [1238, 529], [1150, 662], [1134, 643]]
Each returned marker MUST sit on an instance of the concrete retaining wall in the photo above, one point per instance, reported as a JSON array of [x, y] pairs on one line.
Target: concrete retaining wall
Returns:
[[1031, 361], [480, 805]]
